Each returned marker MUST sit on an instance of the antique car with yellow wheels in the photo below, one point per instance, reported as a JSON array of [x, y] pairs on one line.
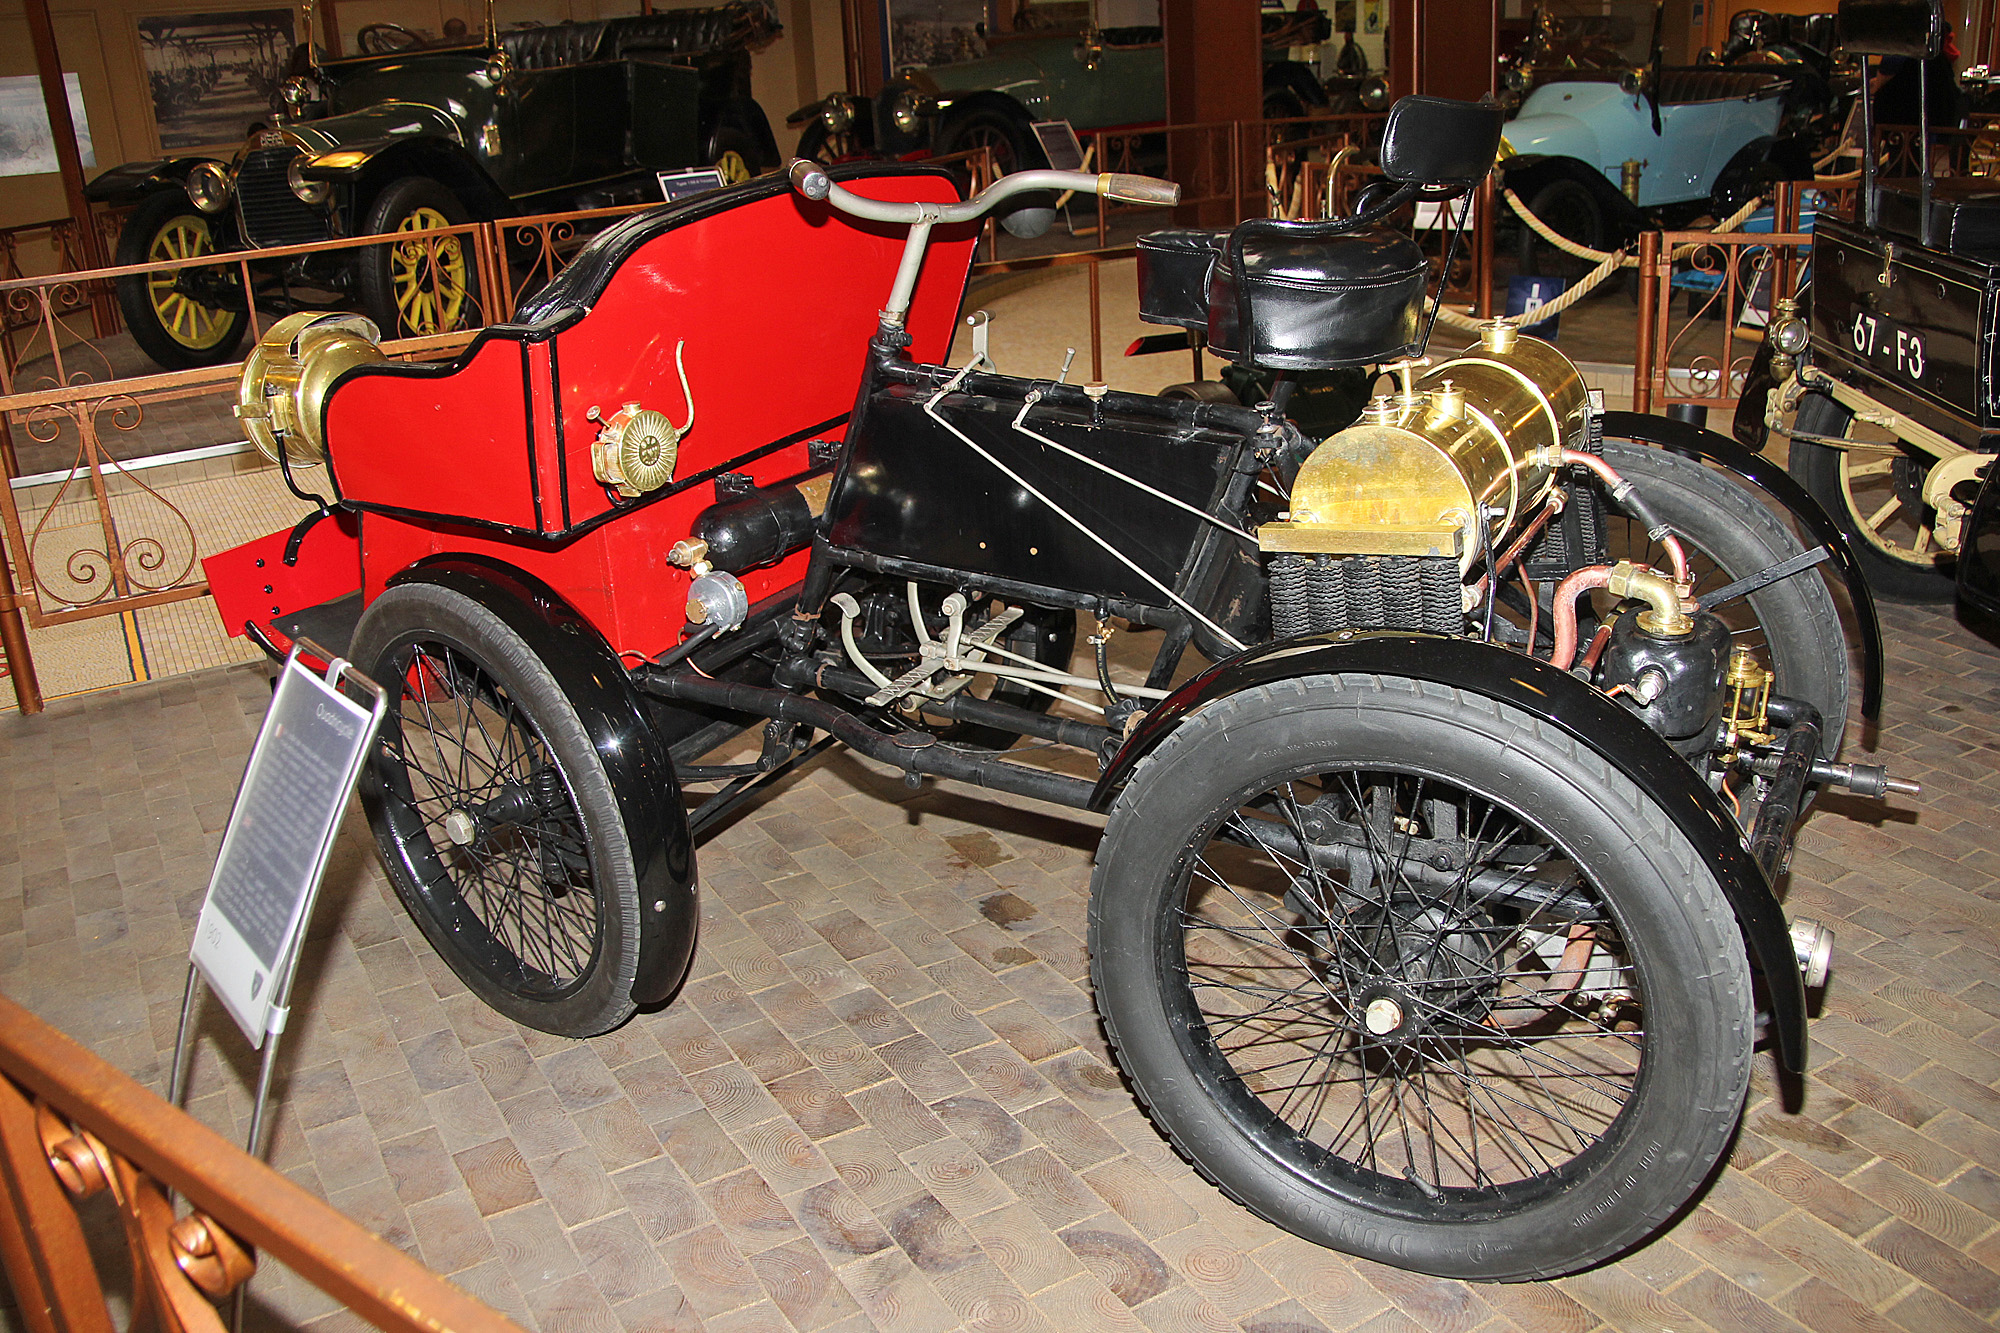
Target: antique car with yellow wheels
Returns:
[[412, 135]]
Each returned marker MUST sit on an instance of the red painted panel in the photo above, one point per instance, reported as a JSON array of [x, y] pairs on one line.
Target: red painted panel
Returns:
[[450, 439], [253, 582], [775, 300]]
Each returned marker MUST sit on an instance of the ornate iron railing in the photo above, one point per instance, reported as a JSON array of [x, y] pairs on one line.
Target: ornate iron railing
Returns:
[[73, 1128]]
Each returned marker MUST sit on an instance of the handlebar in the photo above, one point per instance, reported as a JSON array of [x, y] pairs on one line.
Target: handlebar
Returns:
[[810, 179]]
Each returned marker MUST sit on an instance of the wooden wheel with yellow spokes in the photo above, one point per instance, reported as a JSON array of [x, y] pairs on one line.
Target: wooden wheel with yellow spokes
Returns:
[[185, 317], [419, 284]]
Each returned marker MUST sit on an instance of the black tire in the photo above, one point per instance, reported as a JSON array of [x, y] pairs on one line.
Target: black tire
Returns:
[[184, 319], [996, 130], [1854, 487], [415, 287], [1571, 211], [736, 154], [498, 823], [1793, 626], [1487, 1114]]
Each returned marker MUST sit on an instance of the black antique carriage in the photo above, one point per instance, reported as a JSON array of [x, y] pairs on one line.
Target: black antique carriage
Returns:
[[1436, 912], [1893, 366]]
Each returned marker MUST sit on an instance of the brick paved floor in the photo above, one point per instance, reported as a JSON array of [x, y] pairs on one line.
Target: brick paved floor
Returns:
[[883, 1100]]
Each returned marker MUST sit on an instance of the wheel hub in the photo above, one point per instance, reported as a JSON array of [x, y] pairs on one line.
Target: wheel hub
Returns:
[[461, 828], [1414, 965]]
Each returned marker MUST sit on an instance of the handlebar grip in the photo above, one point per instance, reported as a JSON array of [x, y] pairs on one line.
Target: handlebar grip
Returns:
[[810, 179], [1138, 189]]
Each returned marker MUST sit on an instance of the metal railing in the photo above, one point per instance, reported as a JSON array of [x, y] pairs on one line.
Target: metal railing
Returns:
[[1703, 359], [72, 1129]]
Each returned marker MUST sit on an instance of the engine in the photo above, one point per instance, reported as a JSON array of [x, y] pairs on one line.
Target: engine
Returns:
[[1390, 514]]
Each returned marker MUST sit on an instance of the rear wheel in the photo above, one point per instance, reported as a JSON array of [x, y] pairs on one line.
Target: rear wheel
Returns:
[[181, 318], [499, 825], [1876, 498], [1416, 976]]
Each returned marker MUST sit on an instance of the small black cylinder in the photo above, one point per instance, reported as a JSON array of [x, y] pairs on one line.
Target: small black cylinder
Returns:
[[763, 526]]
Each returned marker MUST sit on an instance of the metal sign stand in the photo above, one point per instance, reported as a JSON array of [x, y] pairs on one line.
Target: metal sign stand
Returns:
[[274, 852]]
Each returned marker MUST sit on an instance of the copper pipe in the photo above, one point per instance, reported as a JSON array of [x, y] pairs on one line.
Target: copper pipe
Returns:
[[1649, 315], [1565, 611], [1676, 554], [1596, 649]]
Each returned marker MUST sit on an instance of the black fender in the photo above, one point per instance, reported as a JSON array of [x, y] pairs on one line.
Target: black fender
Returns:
[[386, 161], [1691, 441], [1551, 696], [744, 114], [135, 180], [634, 757]]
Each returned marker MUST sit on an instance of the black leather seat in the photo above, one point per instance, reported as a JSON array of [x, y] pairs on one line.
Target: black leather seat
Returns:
[[554, 46], [1964, 220], [1348, 300]]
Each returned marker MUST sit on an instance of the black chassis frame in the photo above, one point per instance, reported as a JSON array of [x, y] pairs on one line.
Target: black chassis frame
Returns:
[[873, 528]]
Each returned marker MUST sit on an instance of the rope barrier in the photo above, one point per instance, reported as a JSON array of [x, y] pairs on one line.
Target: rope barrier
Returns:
[[1608, 261]]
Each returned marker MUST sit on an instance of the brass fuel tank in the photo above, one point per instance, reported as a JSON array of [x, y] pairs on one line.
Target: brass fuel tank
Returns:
[[1476, 440]]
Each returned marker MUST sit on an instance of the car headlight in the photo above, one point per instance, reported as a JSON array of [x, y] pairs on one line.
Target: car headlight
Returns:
[[208, 186], [308, 191], [1375, 94], [836, 114], [907, 111], [295, 92]]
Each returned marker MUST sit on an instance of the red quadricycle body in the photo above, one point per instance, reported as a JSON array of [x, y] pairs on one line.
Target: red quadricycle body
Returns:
[[756, 299]]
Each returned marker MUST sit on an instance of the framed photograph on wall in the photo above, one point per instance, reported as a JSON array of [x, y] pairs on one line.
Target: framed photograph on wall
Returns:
[[214, 75], [933, 32], [27, 144]]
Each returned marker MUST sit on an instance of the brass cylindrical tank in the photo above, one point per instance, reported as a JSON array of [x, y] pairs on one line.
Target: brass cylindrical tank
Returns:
[[1459, 458]]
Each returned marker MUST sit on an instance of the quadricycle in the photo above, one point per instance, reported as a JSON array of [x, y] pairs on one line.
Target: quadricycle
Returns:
[[1434, 917]]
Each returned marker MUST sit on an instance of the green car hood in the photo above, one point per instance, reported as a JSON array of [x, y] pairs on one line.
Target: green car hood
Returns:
[[377, 124]]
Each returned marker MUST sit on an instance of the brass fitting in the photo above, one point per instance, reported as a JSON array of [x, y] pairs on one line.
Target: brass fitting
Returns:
[[1664, 615], [1749, 685]]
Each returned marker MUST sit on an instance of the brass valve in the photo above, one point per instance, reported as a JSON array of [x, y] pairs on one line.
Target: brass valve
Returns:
[[1749, 686]]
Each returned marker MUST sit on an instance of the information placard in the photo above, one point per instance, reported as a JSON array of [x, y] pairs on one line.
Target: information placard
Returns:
[[276, 845]]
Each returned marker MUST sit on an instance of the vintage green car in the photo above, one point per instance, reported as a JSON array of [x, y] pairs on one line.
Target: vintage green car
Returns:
[[411, 135], [1105, 78]]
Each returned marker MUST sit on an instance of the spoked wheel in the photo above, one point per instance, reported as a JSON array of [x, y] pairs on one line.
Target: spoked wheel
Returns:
[[182, 318], [1416, 976], [418, 285], [1792, 626], [1876, 497], [498, 823]]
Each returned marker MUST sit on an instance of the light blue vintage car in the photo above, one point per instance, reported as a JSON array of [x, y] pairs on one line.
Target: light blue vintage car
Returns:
[[1609, 140]]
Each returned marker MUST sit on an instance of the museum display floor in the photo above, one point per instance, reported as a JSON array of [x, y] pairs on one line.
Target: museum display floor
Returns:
[[883, 1100]]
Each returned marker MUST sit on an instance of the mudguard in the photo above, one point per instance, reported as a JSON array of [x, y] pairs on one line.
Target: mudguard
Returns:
[[1551, 696], [1691, 441], [135, 180], [634, 757]]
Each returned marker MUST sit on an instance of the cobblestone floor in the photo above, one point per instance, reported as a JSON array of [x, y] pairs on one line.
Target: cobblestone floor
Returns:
[[883, 1100]]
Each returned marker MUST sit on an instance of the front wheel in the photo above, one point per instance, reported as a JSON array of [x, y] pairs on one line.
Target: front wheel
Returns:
[[1418, 977], [182, 318], [416, 285], [1876, 498], [498, 823], [1568, 209]]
